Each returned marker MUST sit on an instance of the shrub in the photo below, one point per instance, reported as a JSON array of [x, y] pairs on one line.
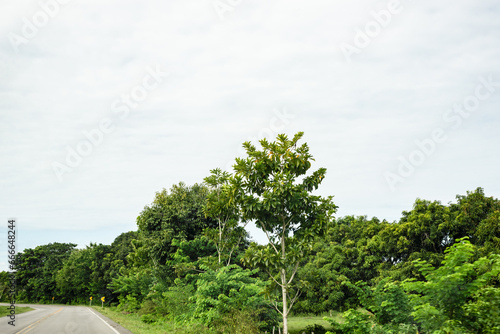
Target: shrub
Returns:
[[128, 304], [148, 318], [394, 329], [485, 309], [390, 304], [316, 329], [450, 296], [238, 322], [232, 290], [148, 307], [355, 322], [175, 302]]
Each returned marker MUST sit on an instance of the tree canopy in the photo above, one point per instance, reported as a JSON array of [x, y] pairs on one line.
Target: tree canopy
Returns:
[[436, 270]]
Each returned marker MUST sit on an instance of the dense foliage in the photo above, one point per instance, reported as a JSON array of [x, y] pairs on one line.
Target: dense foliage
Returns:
[[436, 270]]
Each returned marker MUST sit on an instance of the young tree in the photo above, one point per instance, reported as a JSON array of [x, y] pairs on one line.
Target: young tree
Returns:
[[275, 192], [228, 233]]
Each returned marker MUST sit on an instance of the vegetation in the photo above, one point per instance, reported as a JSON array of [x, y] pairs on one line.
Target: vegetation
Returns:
[[191, 268], [4, 311]]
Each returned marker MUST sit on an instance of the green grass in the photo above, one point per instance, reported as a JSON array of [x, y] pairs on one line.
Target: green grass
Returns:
[[134, 324], [4, 311], [297, 324], [132, 321]]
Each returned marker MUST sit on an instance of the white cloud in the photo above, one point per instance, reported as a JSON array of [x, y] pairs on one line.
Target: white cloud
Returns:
[[226, 78]]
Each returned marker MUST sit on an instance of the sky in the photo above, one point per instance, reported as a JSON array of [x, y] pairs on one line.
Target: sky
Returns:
[[104, 103]]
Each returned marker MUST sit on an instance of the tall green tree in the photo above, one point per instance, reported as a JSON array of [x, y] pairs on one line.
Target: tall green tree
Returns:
[[477, 216], [345, 254], [174, 215], [430, 227], [228, 234], [121, 247], [275, 192]]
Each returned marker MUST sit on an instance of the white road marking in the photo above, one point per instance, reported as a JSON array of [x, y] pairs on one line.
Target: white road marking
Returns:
[[114, 330]]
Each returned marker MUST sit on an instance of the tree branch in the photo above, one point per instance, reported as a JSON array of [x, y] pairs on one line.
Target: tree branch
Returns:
[[268, 238], [274, 279], [275, 304], [294, 272], [292, 301]]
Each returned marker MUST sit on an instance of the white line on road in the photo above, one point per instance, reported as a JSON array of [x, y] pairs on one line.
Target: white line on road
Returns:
[[114, 330]]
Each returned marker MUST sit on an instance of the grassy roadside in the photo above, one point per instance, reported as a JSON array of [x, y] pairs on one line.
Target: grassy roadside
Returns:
[[4, 311], [134, 323]]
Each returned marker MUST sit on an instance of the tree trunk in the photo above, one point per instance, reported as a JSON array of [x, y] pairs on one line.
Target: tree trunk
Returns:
[[284, 285], [285, 306], [219, 250]]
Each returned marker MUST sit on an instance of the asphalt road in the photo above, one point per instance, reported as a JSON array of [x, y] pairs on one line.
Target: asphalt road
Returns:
[[60, 319]]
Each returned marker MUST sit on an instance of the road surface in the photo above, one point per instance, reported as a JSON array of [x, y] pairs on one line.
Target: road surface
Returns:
[[60, 319]]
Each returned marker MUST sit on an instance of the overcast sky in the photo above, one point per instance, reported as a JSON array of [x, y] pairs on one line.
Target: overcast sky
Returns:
[[103, 103]]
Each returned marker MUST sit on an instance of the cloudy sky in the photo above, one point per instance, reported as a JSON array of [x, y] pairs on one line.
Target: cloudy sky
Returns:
[[103, 103]]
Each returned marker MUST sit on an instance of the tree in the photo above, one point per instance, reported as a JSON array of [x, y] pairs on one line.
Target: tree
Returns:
[[180, 211], [344, 255], [272, 189], [121, 247], [176, 215], [36, 270], [461, 295], [478, 217], [228, 234], [4, 285], [85, 273]]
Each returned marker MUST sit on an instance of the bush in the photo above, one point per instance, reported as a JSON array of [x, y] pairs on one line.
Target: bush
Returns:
[[316, 329], [484, 308], [390, 304], [128, 304], [148, 307], [229, 292], [238, 321], [394, 329], [458, 296], [355, 322], [148, 318], [175, 302]]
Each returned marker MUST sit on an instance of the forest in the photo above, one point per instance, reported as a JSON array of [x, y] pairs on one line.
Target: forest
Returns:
[[191, 261]]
